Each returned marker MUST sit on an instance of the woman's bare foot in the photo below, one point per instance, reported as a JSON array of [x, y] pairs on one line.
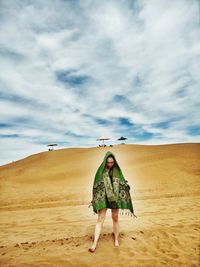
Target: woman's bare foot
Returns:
[[92, 248], [116, 243]]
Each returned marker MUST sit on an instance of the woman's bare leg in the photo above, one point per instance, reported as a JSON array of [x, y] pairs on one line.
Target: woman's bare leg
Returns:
[[116, 225], [98, 227]]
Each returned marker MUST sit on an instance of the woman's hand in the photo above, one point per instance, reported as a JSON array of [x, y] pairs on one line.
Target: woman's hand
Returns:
[[90, 204]]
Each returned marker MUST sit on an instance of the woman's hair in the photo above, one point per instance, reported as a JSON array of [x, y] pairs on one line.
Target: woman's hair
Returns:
[[110, 156]]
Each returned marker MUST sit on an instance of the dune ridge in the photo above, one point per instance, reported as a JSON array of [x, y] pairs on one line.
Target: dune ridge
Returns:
[[45, 219]]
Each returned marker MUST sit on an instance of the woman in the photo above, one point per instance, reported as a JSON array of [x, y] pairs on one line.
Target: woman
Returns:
[[110, 190]]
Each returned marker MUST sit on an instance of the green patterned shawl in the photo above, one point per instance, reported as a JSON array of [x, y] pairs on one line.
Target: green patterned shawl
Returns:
[[113, 195]]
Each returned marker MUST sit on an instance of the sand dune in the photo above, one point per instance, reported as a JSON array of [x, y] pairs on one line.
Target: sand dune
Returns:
[[45, 219]]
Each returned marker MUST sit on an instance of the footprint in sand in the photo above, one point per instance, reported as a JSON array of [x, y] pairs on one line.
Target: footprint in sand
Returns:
[[179, 225], [194, 225], [60, 219], [164, 233], [24, 243], [176, 242], [142, 248], [131, 254], [174, 256], [167, 244]]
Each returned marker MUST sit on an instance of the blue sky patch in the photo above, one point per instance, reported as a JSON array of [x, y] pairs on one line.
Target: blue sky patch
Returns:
[[71, 78], [194, 130]]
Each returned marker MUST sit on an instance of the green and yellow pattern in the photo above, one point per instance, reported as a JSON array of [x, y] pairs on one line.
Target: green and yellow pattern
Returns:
[[108, 195]]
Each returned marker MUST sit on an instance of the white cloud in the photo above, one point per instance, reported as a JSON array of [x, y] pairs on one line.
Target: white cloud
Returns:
[[145, 52]]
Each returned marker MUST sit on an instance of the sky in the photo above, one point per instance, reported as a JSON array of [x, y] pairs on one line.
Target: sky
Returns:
[[73, 71]]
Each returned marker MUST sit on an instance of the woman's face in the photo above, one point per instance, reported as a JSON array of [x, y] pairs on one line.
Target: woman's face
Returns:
[[110, 162]]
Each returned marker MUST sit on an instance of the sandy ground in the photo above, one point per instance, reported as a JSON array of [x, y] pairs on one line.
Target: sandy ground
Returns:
[[45, 219]]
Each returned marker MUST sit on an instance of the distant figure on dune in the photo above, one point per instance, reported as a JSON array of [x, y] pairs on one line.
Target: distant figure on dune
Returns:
[[110, 190]]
